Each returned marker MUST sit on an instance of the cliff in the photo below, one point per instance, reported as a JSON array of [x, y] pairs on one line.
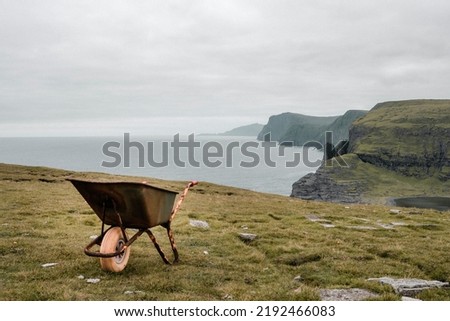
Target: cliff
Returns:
[[300, 129], [398, 149], [341, 126], [279, 125], [410, 137]]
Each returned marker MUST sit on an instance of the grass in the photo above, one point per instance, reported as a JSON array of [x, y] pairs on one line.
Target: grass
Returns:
[[405, 129], [43, 219], [380, 184]]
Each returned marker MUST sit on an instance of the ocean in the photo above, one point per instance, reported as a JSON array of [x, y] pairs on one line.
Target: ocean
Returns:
[[234, 161]]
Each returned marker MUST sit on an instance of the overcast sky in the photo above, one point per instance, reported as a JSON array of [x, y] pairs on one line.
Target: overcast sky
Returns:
[[162, 67]]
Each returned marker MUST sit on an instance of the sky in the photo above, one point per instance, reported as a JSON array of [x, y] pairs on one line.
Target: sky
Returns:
[[85, 68]]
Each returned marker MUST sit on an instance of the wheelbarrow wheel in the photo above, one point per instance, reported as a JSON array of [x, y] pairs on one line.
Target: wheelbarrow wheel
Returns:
[[113, 241]]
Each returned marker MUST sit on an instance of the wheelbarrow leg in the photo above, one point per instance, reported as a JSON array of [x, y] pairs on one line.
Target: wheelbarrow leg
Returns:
[[172, 244], [169, 229], [158, 248]]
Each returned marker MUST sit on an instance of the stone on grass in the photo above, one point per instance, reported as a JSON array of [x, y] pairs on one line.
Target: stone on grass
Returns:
[[47, 265], [362, 227], [328, 225], [298, 278], [134, 292], [93, 281], [409, 287], [247, 237], [199, 224], [346, 294], [399, 223], [386, 226], [228, 297], [315, 218], [407, 298], [394, 211]]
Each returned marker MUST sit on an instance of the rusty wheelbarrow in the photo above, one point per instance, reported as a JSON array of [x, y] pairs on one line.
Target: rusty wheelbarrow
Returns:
[[124, 205]]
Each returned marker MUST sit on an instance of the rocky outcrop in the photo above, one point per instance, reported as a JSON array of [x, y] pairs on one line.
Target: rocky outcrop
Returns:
[[410, 287], [321, 186], [407, 139]]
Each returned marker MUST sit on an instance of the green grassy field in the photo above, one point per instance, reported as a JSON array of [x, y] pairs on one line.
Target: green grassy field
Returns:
[[43, 219]]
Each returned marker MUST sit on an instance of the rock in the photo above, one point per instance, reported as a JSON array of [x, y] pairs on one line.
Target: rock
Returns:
[[315, 218], [407, 298], [298, 278], [247, 237], [93, 237], [324, 222], [134, 292], [227, 297], [386, 226], [321, 186], [362, 227], [93, 281], [346, 294], [394, 211], [206, 252], [399, 224], [81, 277], [47, 265], [409, 287], [328, 225], [199, 224]]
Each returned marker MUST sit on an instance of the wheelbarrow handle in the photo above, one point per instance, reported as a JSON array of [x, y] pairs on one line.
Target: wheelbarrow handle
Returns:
[[181, 199]]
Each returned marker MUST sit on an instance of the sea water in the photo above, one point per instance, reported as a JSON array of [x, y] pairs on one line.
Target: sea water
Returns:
[[244, 162]]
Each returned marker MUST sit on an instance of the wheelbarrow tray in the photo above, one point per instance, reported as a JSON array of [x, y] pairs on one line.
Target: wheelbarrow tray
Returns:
[[127, 204]]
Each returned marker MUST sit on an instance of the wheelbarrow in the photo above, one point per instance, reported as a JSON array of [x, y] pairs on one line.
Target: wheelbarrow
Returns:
[[125, 205]]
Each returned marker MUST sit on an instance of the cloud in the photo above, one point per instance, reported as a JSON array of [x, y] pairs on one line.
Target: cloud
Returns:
[[105, 60]]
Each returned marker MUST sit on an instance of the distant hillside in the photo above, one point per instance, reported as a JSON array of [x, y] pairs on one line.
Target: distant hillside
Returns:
[[279, 125], [299, 129], [247, 130], [399, 148], [341, 126]]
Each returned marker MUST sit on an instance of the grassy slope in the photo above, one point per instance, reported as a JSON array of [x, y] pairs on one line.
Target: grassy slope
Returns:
[[402, 127], [43, 219], [381, 184]]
